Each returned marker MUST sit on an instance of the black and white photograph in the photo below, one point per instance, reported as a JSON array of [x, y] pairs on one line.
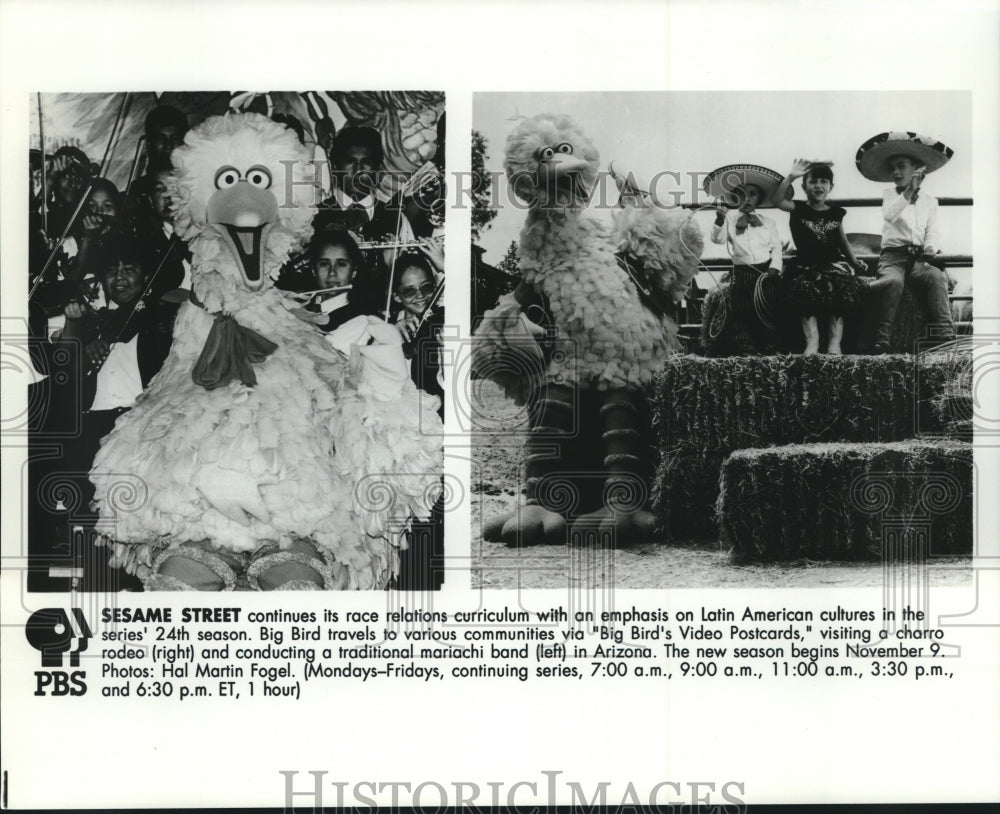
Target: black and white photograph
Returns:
[[736, 354], [234, 302], [679, 497]]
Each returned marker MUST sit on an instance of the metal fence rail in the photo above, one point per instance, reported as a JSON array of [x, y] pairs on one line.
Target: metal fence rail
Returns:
[[724, 264], [845, 202]]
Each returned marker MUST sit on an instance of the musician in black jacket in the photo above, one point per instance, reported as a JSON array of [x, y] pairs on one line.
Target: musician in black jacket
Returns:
[[104, 358], [355, 162], [123, 345], [167, 257]]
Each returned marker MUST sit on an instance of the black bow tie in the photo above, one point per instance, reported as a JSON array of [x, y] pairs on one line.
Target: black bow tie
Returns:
[[747, 220]]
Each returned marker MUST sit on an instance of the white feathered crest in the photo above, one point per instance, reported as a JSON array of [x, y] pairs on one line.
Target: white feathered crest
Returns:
[[242, 141]]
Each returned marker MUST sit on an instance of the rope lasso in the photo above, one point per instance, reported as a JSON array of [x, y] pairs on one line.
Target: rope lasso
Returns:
[[763, 311]]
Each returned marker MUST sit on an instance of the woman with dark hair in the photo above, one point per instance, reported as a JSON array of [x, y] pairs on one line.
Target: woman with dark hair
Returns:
[[73, 274], [97, 225], [340, 276], [420, 320]]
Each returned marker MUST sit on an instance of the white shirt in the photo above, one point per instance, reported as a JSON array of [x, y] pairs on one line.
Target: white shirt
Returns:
[[909, 222], [335, 303], [346, 201], [168, 230], [118, 381], [757, 244]]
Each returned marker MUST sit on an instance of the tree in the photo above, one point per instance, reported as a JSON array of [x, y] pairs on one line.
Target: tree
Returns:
[[511, 263], [489, 283], [483, 210]]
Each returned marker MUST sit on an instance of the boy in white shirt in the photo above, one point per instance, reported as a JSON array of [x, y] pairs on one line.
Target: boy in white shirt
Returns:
[[909, 233], [753, 243]]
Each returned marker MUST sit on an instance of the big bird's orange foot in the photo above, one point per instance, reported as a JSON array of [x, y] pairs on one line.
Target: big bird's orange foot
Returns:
[[614, 528], [525, 526]]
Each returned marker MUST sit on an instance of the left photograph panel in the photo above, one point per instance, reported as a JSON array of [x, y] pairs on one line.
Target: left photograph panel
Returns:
[[235, 303]]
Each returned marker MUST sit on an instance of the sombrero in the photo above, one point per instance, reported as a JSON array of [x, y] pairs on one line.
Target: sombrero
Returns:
[[873, 156], [723, 182]]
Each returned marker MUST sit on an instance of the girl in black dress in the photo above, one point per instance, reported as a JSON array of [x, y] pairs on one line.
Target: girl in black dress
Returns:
[[823, 281]]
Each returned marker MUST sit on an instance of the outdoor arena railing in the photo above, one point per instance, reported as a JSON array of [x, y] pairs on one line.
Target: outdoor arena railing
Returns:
[[722, 265]]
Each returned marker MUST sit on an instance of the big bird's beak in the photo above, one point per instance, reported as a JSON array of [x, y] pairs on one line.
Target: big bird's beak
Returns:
[[562, 178], [559, 166], [243, 215]]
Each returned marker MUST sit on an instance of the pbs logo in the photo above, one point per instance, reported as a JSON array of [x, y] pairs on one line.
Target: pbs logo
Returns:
[[60, 637]]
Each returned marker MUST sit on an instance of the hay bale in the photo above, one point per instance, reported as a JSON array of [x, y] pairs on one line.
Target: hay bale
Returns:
[[685, 489], [953, 406], [705, 409], [835, 501], [909, 325], [734, 403]]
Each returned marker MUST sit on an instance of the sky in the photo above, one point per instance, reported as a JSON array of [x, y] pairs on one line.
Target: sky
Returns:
[[648, 132]]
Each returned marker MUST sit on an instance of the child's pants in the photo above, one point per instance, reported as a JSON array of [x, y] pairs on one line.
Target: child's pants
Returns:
[[750, 335], [929, 285]]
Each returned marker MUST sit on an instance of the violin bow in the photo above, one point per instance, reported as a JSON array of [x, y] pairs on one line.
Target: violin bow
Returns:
[[76, 212], [45, 182]]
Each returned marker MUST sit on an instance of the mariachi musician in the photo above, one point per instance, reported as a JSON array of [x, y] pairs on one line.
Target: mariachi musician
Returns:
[[122, 346]]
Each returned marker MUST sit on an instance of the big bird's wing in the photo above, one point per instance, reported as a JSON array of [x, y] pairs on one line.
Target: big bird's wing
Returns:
[[664, 238]]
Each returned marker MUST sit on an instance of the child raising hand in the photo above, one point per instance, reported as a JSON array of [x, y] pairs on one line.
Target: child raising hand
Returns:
[[823, 281]]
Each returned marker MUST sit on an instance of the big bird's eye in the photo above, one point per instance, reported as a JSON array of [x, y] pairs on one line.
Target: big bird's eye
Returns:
[[226, 177], [259, 176], [565, 147], [546, 153]]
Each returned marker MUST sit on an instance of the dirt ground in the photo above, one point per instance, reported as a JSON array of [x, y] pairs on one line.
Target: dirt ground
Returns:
[[681, 564]]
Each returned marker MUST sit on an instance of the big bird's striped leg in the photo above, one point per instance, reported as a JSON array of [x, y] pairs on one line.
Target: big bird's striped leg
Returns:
[[548, 495], [623, 519]]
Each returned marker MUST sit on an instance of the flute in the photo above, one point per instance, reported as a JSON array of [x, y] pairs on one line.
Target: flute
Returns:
[[403, 244]]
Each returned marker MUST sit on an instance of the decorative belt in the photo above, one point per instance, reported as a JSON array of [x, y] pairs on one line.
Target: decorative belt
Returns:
[[911, 253]]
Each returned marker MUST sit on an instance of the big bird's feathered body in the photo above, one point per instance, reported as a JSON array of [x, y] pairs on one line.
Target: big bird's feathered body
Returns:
[[310, 450], [605, 294], [571, 261]]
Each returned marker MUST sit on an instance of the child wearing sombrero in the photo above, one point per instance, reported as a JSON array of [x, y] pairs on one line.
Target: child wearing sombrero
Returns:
[[823, 283], [754, 245], [909, 231]]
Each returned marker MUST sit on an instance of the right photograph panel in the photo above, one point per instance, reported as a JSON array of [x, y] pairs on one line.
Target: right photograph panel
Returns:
[[722, 339]]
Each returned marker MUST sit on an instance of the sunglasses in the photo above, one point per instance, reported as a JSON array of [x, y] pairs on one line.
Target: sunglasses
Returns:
[[410, 293]]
